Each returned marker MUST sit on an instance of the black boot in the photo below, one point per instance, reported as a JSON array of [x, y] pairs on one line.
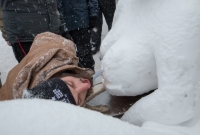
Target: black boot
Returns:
[[95, 40], [95, 49]]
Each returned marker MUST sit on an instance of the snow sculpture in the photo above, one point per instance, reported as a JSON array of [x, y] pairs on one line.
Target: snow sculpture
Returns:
[[155, 44]]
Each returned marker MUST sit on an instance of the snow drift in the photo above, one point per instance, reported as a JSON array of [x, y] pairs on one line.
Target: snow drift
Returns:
[[46, 117]]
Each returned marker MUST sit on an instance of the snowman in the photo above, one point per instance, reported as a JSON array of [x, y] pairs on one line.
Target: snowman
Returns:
[[155, 44]]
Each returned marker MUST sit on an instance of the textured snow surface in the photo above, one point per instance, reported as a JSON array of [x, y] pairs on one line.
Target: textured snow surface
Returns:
[[46, 117], [155, 44]]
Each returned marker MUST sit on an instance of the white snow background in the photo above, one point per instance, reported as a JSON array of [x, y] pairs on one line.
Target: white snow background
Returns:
[[41, 117]]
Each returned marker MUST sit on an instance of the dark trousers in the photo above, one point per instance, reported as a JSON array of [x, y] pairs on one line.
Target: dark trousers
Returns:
[[21, 49], [81, 38], [106, 8]]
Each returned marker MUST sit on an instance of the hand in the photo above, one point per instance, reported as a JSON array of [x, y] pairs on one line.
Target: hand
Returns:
[[93, 22], [8, 43], [67, 35]]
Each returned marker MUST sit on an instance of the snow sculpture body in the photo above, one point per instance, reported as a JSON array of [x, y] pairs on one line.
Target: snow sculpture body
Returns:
[[155, 44]]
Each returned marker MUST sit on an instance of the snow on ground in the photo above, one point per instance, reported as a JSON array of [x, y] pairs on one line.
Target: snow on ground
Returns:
[[46, 117], [7, 59]]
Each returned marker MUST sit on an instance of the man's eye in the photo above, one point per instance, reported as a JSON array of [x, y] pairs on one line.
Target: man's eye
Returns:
[[70, 84]]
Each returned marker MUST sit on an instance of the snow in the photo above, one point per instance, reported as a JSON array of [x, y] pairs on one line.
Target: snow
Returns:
[[7, 59], [153, 44], [46, 117]]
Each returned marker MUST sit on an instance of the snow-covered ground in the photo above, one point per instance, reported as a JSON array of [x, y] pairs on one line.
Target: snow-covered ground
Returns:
[[33, 117], [43, 117], [7, 59]]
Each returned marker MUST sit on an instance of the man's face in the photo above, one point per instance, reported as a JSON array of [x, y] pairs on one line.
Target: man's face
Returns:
[[78, 88]]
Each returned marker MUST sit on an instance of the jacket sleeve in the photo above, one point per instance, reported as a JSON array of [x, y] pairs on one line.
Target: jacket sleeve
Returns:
[[1, 26], [93, 7]]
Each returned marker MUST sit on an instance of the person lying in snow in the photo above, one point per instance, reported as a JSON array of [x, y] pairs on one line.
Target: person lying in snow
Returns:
[[49, 71]]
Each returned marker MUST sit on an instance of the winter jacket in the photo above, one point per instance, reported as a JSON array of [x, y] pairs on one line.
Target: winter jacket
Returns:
[[50, 56], [1, 26], [76, 13], [24, 19]]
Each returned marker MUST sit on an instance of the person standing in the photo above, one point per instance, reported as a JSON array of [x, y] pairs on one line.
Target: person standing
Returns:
[[1, 26], [80, 17], [3, 35], [106, 8], [23, 20]]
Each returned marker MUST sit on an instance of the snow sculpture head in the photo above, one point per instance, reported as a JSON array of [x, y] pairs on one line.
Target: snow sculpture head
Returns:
[[155, 44]]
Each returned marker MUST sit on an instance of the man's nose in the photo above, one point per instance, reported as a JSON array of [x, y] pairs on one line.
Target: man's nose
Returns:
[[83, 87]]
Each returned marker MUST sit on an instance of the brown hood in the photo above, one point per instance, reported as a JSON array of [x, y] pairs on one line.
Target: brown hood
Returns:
[[49, 55]]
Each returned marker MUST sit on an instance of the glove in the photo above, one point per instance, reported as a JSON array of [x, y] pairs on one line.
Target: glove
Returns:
[[93, 22], [67, 35], [63, 31]]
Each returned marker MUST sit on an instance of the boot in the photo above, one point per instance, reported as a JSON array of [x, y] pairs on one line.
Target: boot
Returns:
[[95, 41]]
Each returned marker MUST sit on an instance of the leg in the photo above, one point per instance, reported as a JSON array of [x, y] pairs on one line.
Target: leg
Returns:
[[96, 34], [108, 8], [81, 38], [20, 52]]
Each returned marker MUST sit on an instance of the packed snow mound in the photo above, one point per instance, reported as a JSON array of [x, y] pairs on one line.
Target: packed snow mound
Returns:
[[46, 117], [155, 44], [7, 59]]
